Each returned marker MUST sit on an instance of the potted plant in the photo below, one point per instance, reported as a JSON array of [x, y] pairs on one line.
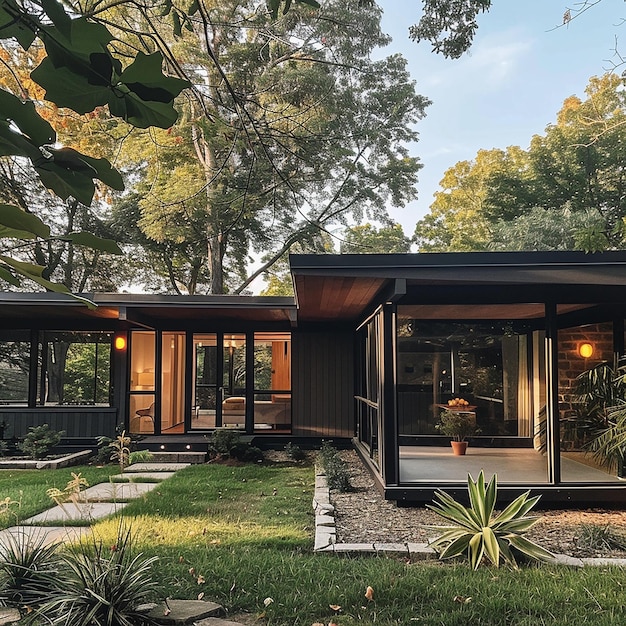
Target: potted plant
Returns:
[[459, 425]]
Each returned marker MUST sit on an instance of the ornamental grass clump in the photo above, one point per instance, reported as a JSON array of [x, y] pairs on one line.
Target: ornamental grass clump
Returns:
[[479, 534]]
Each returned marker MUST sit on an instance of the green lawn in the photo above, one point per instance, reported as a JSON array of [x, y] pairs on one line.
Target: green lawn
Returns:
[[241, 535]]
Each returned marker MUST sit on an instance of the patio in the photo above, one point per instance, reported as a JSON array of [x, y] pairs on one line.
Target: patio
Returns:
[[428, 464]]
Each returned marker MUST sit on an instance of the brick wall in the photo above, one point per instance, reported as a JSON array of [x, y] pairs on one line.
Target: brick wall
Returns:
[[571, 364]]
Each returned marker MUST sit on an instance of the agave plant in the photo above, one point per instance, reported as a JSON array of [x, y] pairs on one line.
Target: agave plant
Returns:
[[479, 533]]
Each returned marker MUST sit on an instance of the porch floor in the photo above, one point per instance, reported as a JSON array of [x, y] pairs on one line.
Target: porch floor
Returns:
[[512, 465]]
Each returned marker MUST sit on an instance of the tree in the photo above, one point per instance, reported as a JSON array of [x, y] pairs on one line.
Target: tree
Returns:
[[290, 133], [573, 174], [80, 71], [367, 239], [449, 25]]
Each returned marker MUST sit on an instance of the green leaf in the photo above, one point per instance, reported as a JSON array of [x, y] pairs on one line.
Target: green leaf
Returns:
[[12, 27], [492, 548], [96, 243], [26, 269], [144, 76], [105, 172], [8, 277], [68, 89], [476, 548], [14, 218], [530, 549], [65, 182], [57, 14], [143, 114], [26, 118]]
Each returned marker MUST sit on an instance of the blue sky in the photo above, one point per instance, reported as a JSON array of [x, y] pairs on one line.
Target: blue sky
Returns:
[[508, 88]]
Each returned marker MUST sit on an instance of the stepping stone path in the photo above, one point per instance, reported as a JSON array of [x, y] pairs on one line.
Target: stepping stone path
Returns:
[[101, 501]]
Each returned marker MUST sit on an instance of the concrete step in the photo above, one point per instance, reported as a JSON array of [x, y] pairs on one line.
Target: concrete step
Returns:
[[193, 458]]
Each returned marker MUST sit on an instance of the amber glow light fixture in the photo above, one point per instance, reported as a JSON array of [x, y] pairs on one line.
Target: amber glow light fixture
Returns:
[[120, 343], [585, 350]]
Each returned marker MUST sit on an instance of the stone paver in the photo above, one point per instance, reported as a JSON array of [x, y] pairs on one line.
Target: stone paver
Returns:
[[184, 611], [107, 492], [155, 467], [85, 511], [46, 534], [217, 621], [9, 616], [143, 476]]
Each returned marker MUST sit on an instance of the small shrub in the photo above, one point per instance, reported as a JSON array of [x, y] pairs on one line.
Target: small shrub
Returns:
[[140, 456], [599, 538], [103, 453], [40, 440], [337, 474], [246, 453], [223, 440], [103, 585], [295, 453], [479, 533], [4, 447]]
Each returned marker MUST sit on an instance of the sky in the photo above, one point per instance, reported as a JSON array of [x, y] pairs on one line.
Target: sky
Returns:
[[510, 85]]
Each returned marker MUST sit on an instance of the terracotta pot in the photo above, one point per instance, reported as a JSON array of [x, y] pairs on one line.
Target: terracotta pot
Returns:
[[459, 447]]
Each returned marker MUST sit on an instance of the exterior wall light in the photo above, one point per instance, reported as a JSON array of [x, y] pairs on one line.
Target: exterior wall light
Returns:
[[585, 350], [120, 342]]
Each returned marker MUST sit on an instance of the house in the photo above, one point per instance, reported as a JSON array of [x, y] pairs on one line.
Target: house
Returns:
[[371, 349]]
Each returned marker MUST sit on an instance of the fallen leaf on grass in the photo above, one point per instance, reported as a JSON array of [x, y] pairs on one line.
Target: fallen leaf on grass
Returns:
[[335, 607], [201, 579], [369, 593], [268, 601], [201, 595], [462, 599]]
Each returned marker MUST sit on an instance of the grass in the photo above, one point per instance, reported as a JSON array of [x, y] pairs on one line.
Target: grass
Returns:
[[241, 535]]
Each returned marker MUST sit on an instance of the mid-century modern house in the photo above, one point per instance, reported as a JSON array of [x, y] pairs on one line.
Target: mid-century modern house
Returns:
[[370, 350]]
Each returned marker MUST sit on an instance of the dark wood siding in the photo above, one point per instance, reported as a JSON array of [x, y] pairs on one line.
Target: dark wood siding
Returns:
[[323, 384], [76, 422]]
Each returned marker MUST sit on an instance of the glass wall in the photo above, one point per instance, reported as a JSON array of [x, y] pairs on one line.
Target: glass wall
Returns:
[[369, 383], [588, 389], [272, 381], [14, 368], [476, 362], [142, 382], [74, 368], [173, 382], [205, 387]]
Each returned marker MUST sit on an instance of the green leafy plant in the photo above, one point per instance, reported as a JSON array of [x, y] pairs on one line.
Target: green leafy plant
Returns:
[[294, 452], [594, 537], [457, 425], [480, 533], [223, 440], [140, 456], [101, 585], [335, 469], [40, 441]]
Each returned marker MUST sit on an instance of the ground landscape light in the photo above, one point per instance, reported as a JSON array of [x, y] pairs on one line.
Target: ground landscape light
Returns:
[[585, 350]]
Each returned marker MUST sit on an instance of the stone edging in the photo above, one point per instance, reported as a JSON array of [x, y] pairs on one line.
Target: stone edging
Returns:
[[326, 536]]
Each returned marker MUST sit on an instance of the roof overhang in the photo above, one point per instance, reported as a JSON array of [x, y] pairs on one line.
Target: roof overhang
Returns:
[[144, 310], [342, 287]]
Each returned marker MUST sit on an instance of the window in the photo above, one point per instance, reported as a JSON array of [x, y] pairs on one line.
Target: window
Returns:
[[14, 368], [272, 381], [74, 368]]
